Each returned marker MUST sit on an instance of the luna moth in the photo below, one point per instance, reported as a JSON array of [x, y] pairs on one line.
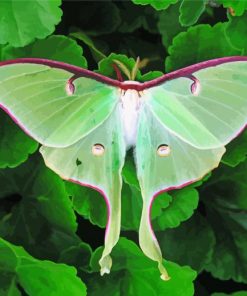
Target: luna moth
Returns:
[[178, 125]]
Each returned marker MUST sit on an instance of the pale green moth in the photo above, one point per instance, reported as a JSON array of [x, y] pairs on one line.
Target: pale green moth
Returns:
[[178, 125]]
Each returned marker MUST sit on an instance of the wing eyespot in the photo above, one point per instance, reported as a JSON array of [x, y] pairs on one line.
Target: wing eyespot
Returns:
[[98, 149], [163, 150]]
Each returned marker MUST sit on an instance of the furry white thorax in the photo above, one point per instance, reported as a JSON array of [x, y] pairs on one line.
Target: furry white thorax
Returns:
[[131, 102]]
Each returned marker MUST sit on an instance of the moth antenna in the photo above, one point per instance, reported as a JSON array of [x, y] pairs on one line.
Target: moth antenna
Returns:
[[143, 63], [123, 68], [118, 72], [135, 69]]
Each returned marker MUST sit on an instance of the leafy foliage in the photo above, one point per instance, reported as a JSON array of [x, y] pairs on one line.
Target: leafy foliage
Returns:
[[194, 232], [35, 276], [235, 31], [12, 155], [25, 22], [134, 274], [55, 47], [190, 11], [198, 44], [56, 222], [226, 208]]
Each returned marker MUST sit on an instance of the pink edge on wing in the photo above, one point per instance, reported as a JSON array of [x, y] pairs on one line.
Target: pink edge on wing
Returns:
[[104, 196], [239, 131], [162, 191], [11, 115]]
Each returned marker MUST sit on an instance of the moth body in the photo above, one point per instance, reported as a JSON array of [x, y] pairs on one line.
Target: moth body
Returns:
[[130, 105]]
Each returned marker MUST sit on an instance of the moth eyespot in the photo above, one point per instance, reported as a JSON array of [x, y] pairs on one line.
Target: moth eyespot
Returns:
[[163, 150], [98, 149]]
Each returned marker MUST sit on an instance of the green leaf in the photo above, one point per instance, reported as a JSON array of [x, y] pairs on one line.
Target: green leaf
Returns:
[[189, 244], [23, 21], [105, 65], [236, 151], [151, 75], [225, 201], [8, 284], [157, 4], [56, 47], [236, 32], [90, 43], [135, 274], [43, 207], [169, 25], [129, 173], [38, 277], [180, 207], [15, 145], [198, 44], [238, 6], [84, 200], [78, 256], [190, 11]]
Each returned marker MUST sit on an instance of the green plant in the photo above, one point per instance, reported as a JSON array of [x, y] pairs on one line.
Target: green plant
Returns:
[[202, 226]]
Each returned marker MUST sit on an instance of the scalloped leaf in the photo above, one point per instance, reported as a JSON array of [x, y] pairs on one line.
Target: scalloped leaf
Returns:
[[28, 20], [236, 32], [135, 274], [55, 47], [236, 151], [190, 11], [189, 244], [224, 198], [105, 66], [198, 44], [36, 277], [41, 207], [15, 145], [181, 207], [169, 25]]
